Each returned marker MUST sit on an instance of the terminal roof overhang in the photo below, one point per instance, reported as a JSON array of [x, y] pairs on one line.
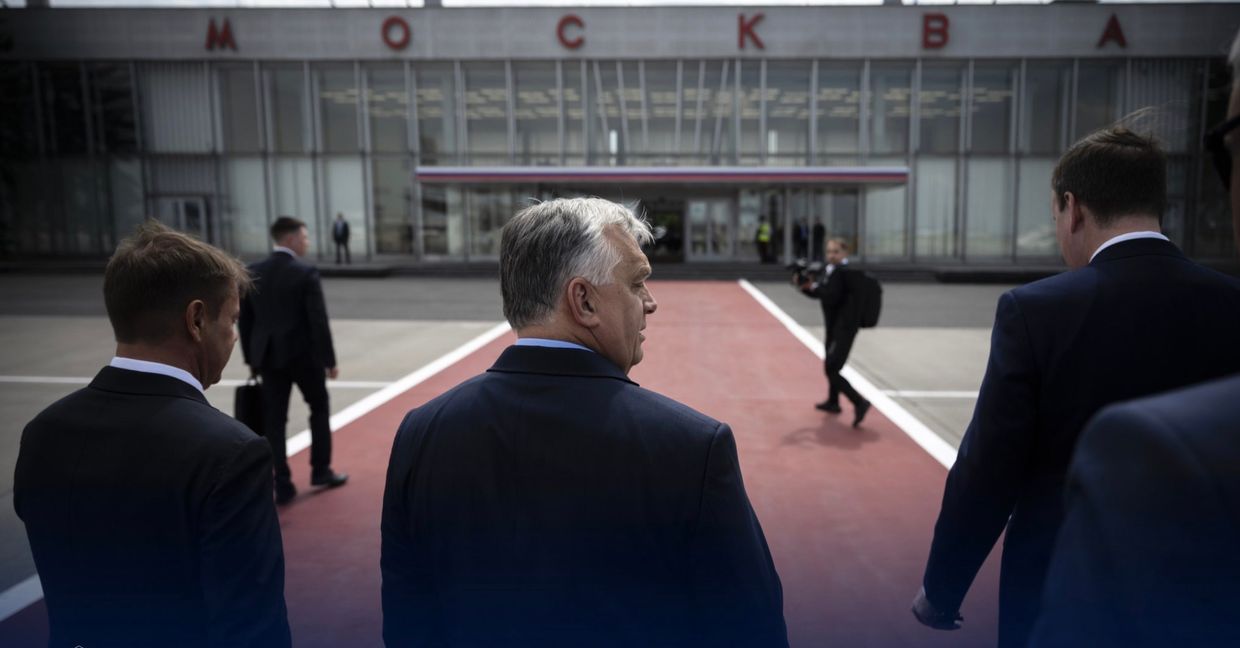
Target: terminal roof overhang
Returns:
[[664, 175]]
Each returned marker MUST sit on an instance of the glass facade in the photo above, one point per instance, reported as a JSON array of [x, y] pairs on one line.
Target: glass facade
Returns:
[[87, 149]]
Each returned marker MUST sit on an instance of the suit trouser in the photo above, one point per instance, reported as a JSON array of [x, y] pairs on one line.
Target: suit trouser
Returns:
[[278, 384], [833, 362], [342, 245]]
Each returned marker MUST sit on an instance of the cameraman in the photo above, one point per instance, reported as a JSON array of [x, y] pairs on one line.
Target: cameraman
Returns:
[[836, 288]]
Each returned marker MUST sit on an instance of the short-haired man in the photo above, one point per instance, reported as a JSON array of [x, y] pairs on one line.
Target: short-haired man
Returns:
[[148, 511], [551, 501], [286, 339], [838, 290], [1134, 317], [1148, 551]]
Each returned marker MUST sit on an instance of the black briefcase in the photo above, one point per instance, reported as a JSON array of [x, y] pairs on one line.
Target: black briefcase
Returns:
[[248, 405]]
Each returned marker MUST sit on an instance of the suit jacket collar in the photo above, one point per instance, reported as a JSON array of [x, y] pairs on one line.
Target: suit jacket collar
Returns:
[[1138, 247], [124, 381], [557, 362]]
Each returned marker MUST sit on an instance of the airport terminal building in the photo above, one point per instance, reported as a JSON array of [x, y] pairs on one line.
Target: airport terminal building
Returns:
[[924, 134]]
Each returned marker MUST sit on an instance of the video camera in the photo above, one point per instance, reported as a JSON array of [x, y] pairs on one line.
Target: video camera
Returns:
[[804, 270]]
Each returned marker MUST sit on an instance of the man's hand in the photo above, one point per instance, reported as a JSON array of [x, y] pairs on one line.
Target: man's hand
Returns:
[[931, 616], [332, 372]]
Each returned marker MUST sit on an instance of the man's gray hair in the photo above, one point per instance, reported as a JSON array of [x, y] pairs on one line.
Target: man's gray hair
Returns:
[[546, 245]]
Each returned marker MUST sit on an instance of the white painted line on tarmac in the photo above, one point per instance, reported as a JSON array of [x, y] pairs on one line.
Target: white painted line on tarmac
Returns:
[[301, 440], [923, 436], [914, 393], [20, 596], [231, 382], [30, 591]]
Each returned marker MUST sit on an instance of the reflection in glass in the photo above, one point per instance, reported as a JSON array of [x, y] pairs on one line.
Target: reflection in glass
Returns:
[[787, 112], [387, 102], [287, 108], [1043, 106], [989, 204], [749, 103], [1035, 227], [486, 111], [111, 88], [575, 121], [889, 113], [64, 113], [839, 107], [991, 106], [19, 133], [1099, 93], [718, 136], [940, 108], [630, 95], [661, 110], [338, 103], [537, 112], [610, 142], [392, 203], [935, 207], [436, 96], [244, 206], [239, 108]]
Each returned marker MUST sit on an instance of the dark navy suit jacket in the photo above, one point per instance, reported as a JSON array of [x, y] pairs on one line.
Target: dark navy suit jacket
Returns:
[[1138, 320], [1149, 553], [554, 502], [150, 518], [284, 320]]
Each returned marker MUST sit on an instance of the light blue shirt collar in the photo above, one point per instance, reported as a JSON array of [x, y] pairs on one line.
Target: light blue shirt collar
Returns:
[[1127, 237], [146, 366], [281, 248], [551, 344]]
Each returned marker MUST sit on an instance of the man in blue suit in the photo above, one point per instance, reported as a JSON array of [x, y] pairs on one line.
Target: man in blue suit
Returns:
[[552, 501], [1134, 317], [1148, 551]]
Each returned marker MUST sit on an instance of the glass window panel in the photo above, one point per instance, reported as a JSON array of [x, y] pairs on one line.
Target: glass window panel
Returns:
[[885, 233], [128, 194], [244, 206], [19, 133], [630, 95], [489, 209], [661, 108], [1035, 228], [338, 101], [1099, 96], [749, 103], [718, 132], [239, 108], [574, 113], [1043, 106], [835, 215], [64, 114], [83, 191], [387, 102], [344, 194], [436, 96], [1170, 93], [609, 143], [989, 204], [286, 95], [889, 114], [787, 111], [292, 181], [393, 200], [695, 103], [537, 112], [176, 108], [486, 111], [936, 207], [991, 106], [111, 87], [839, 107], [940, 107]]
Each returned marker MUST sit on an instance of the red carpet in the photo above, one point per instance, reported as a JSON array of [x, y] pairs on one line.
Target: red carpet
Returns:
[[848, 512]]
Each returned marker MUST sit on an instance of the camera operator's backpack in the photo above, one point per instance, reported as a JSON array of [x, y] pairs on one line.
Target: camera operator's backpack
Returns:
[[869, 299]]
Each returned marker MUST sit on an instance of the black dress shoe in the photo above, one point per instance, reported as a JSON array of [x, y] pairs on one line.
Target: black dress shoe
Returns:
[[828, 407], [285, 493], [859, 412], [328, 478]]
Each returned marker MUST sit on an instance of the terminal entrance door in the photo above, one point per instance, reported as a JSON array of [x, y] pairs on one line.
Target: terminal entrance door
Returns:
[[712, 222]]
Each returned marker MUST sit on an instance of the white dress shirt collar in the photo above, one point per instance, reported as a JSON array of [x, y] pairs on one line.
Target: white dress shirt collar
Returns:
[[281, 248], [551, 344], [146, 366], [1130, 236]]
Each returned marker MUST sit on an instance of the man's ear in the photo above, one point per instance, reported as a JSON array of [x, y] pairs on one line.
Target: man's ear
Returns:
[[582, 302], [1076, 212], [196, 319]]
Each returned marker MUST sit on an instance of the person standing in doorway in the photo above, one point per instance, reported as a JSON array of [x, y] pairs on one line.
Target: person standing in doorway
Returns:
[[340, 234], [763, 239], [837, 290], [285, 338]]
